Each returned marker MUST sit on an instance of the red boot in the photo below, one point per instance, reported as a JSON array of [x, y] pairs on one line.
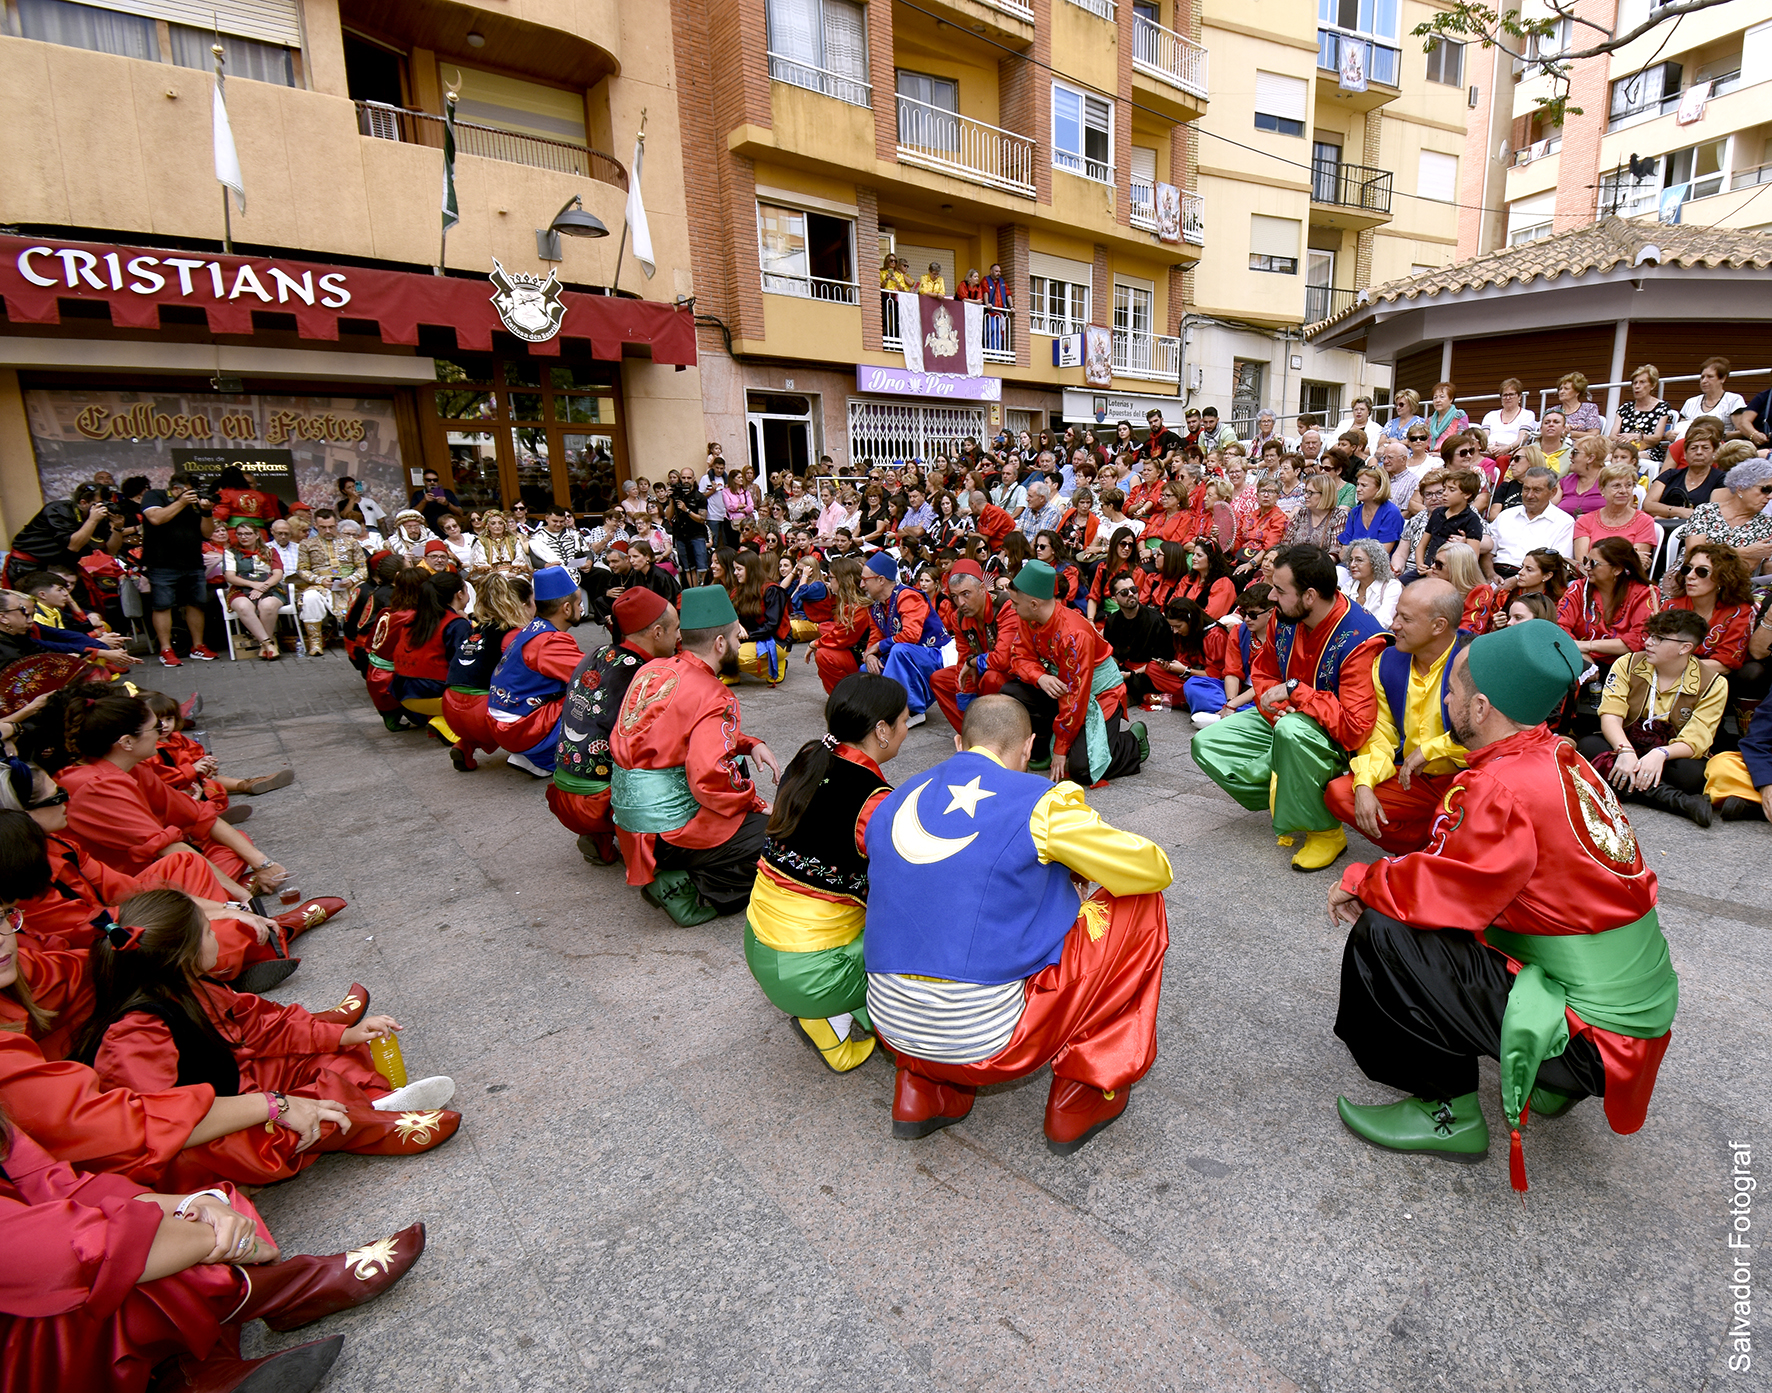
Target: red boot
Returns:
[[376, 1133], [288, 1371], [1075, 1112], [297, 1291], [310, 914], [349, 1011], [921, 1105], [461, 755]]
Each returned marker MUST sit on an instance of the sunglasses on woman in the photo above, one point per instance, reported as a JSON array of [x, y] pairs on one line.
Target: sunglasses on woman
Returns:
[[1700, 571], [1417, 437]]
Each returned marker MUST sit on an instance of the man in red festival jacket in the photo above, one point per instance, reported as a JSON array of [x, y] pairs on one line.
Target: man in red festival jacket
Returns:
[[1525, 930], [529, 685], [985, 632], [1064, 672]]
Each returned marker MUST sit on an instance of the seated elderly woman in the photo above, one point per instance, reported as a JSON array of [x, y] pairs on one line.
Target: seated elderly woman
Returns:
[[253, 584], [35, 659], [1737, 514], [1658, 715], [1367, 581], [1619, 516]]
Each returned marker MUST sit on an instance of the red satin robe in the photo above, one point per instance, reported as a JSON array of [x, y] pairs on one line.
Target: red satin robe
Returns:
[[976, 638], [678, 714], [837, 643], [1582, 613], [1346, 715], [175, 761], [555, 655], [1725, 642], [1075, 649], [1512, 846], [127, 820], [73, 1315]]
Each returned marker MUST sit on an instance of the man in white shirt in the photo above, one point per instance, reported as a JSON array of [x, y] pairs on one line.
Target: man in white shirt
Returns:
[[1039, 515], [1393, 458], [1532, 523], [557, 543], [1010, 496], [287, 549], [712, 486], [1310, 445]]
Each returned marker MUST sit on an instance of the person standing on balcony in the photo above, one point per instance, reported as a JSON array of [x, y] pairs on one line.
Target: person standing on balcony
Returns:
[[933, 282], [892, 276], [997, 293], [972, 288]]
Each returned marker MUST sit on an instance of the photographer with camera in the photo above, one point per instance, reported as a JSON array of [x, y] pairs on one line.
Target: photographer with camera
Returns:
[[176, 520], [64, 531]]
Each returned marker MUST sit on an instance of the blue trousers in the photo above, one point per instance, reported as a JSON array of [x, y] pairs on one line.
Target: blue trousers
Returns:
[[910, 664], [1203, 694]]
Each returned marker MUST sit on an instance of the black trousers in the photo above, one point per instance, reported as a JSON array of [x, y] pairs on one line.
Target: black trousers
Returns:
[[1687, 775], [1123, 758], [1418, 1006], [724, 874]]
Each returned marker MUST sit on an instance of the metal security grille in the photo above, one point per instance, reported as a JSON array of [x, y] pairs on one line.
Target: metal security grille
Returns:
[[890, 432]]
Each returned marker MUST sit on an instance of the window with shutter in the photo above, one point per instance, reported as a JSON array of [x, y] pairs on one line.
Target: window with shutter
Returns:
[[1273, 244], [1279, 103], [1082, 133], [1437, 176]]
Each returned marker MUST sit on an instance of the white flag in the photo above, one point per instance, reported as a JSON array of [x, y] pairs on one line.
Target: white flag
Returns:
[[227, 162], [637, 213]]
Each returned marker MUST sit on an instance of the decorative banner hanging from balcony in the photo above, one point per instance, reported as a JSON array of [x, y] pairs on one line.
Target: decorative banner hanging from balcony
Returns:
[[1098, 356], [1168, 213], [948, 337], [1353, 65]]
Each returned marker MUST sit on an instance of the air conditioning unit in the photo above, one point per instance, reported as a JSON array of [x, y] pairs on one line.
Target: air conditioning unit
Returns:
[[1472, 99]]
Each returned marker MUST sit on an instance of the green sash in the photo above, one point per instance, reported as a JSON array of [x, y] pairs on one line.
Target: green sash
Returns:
[[380, 662], [1095, 731], [1621, 980], [651, 800], [573, 783]]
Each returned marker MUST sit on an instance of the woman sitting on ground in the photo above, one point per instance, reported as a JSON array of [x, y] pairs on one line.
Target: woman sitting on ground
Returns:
[[1367, 580], [1207, 670], [1658, 715], [126, 816], [384, 640], [1713, 583], [803, 928], [761, 607], [159, 1018], [253, 580], [192, 770], [1208, 582], [504, 605], [427, 645], [1457, 562], [843, 630], [1050, 548], [1121, 559], [106, 1281]]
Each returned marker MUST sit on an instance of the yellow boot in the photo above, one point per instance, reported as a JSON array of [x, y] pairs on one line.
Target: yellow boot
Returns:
[[1273, 792], [841, 1055], [1320, 850]]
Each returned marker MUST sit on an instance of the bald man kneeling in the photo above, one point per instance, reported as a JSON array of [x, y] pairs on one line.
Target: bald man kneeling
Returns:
[[984, 958]]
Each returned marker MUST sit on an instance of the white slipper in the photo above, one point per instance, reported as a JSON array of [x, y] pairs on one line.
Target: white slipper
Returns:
[[419, 1096], [518, 762]]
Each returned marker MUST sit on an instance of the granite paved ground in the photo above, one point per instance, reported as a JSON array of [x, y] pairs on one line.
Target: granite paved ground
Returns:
[[658, 1187]]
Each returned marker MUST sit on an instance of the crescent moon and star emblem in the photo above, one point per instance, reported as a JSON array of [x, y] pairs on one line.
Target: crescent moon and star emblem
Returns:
[[916, 843]]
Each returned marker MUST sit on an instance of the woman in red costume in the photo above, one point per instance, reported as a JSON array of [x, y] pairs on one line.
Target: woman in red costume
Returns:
[[427, 645], [186, 766], [105, 1280], [503, 604], [125, 815], [160, 1021], [384, 639], [844, 629]]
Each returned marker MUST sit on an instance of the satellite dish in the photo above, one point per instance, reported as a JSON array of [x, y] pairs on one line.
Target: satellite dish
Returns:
[[1504, 151]]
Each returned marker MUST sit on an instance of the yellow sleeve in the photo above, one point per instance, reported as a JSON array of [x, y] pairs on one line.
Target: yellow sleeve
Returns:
[[1067, 830], [1615, 696], [1445, 746], [1702, 728], [1376, 760]]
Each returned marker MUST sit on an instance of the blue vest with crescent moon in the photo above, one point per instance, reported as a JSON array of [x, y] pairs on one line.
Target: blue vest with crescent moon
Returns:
[[961, 897]]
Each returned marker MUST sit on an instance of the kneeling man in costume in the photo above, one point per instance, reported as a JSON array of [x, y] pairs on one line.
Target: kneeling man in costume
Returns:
[[1397, 779], [984, 959], [579, 794], [690, 821], [1065, 675], [985, 636], [529, 684], [1525, 930], [1314, 704], [906, 632]]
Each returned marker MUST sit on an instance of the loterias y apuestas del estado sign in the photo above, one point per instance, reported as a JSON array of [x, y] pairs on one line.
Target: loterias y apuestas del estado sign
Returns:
[[135, 282]]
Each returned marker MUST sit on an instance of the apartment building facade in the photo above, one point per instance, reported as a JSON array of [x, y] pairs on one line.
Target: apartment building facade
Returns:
[[325, 344], [1676, 126], [1329, 162], [1049, 137]]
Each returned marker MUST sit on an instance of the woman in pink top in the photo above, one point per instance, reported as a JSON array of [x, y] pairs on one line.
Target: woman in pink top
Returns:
[[1620, 517]]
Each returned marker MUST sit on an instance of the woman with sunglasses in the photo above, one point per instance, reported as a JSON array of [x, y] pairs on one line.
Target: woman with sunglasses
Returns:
[[1713, 583], [1456, 562], [1404, 407], [1606, 609], [1581, 485], [1736, 515], [1121, 559], [1420, 443]]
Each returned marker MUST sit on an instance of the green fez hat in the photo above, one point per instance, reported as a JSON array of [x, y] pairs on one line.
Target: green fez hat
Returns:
[[707, 607], [1526, 669], [1036, 578]]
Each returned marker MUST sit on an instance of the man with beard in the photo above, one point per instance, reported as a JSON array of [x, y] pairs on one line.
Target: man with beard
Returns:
[[579, 794], [986, 636], [1525, 930], [690, 820], [907, 634], [1139, 636], [1314, 704]]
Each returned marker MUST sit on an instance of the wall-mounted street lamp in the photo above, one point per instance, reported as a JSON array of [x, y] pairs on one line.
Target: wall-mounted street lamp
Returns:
[[573, 221]]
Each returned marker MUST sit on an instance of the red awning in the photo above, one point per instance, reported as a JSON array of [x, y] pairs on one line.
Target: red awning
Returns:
[[136, 281]]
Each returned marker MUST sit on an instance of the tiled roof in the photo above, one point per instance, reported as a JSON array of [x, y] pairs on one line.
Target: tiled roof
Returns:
[[1598, 247]]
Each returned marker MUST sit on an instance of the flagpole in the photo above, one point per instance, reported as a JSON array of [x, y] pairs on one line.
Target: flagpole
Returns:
[[227, 213], [448, 181]]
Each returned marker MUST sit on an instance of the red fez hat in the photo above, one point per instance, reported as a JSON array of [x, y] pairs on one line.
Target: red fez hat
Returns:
[[965, 568], [433, 546], [638, 608], [619, 544]]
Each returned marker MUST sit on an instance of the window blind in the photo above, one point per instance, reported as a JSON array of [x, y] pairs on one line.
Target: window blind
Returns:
[[1437, 176], [1273, 236], [272, 21], [1279, 95], [1059, 268]]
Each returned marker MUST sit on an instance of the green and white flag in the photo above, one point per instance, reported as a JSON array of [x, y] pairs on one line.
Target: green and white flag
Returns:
[[451, 210]]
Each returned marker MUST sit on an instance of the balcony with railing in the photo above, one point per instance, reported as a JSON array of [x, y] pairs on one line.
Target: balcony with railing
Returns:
[[999, 330], [1019, 9], [1144, 212], [1360, 194], [1748, 178], [934, 138], [811, 287], [845, 87], [380, 121], [1537, 150], [1193, 218], [1169, 57], [1379, 61], [1144, 206], [1104, 8], [1155, 357], [1325, 302]]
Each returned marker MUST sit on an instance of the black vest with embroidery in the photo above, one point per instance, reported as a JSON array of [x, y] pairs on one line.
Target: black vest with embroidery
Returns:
[[821, 852], [593, 701]]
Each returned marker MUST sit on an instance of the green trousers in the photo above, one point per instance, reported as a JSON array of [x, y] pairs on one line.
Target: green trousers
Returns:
[[1241, 753]]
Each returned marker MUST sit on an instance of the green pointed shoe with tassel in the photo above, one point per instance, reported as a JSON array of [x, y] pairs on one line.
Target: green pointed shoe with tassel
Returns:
[[675, 893], [1454, 1129]]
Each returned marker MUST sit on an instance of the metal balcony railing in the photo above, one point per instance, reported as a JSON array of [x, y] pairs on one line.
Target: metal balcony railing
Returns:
[[1325, 302], [380, 121], [1351, 186], [999, 330], [1168, 56], [1104, 8], [1538, 150], [1053, 325], [942, 140], [1021, 9], [811, 287], [1193, 218], [1156, 357], [1383, 62], [845, 87], [1747, 178], [1144, 206]]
